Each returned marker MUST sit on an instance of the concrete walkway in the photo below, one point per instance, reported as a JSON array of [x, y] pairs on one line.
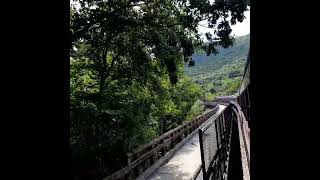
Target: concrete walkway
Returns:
[[183, 163]]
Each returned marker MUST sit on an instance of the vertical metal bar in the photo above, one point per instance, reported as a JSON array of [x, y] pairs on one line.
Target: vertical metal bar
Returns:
[[219, 127], [221, 130], [215, 125], [248, 103], [222, 160], [223, 122], [223, 150], [229, 116], [219, 167], [249, 118], [248, 95], [226, 118], [204, 173], [129, 160], [243, 102]]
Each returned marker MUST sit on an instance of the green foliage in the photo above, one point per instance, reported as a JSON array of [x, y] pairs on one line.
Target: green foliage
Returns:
[[210, 96], [127, 82], [125, 115], [195, 110]]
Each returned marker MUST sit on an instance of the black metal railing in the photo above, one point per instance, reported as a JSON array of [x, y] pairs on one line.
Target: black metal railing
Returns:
[[215, 139], [244, 102]]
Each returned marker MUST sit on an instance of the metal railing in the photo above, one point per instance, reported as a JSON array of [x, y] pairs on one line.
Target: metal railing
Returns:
[[215, 139], [244, 101], [145, 156]]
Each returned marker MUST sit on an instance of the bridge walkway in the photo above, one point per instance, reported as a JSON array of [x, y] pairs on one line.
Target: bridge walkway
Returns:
[[184, 162]]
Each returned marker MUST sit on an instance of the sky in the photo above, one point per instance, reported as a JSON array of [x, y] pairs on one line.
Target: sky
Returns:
[[239, 29], [243, 28]]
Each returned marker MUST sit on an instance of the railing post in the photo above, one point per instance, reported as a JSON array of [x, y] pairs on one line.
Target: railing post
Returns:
[[129, 156], [130, 174], [223, 122], [248, 105], [164, 147], [221, 128], [217, 135], [203, 166], [155, 155]]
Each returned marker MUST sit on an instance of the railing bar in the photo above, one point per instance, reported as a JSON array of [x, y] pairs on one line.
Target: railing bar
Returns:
[[215, 125], [202, 153]]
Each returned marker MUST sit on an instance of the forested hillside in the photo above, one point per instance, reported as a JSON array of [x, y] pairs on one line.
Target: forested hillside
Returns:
[[220, 74]]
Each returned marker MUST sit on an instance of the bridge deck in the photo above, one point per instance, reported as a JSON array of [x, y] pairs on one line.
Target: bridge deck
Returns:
[[184, 162]]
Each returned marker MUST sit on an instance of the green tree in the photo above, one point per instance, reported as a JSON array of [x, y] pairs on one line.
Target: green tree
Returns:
[[126, 71]]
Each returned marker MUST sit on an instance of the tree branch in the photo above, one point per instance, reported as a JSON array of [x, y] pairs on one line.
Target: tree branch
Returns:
[[206, 26]]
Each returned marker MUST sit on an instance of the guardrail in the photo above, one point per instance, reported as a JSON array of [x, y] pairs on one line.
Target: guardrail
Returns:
[[215, 139], [145, 156], [244, 101]]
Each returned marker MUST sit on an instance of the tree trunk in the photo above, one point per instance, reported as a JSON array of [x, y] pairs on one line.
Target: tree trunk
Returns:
[[102, 74], [101, 83]]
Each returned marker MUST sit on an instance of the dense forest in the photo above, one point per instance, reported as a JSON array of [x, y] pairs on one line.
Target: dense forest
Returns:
[[127, 72], [220, 75]]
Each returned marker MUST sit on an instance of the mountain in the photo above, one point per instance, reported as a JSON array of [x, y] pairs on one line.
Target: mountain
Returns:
[[221, 74]]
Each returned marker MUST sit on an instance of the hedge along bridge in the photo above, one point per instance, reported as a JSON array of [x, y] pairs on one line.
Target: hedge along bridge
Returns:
[[215, 145]]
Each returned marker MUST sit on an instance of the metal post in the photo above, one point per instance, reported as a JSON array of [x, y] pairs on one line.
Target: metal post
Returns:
[[202, 154], [221, 129], [215, 125], [129, 155], [223, 123], [248, 104]]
